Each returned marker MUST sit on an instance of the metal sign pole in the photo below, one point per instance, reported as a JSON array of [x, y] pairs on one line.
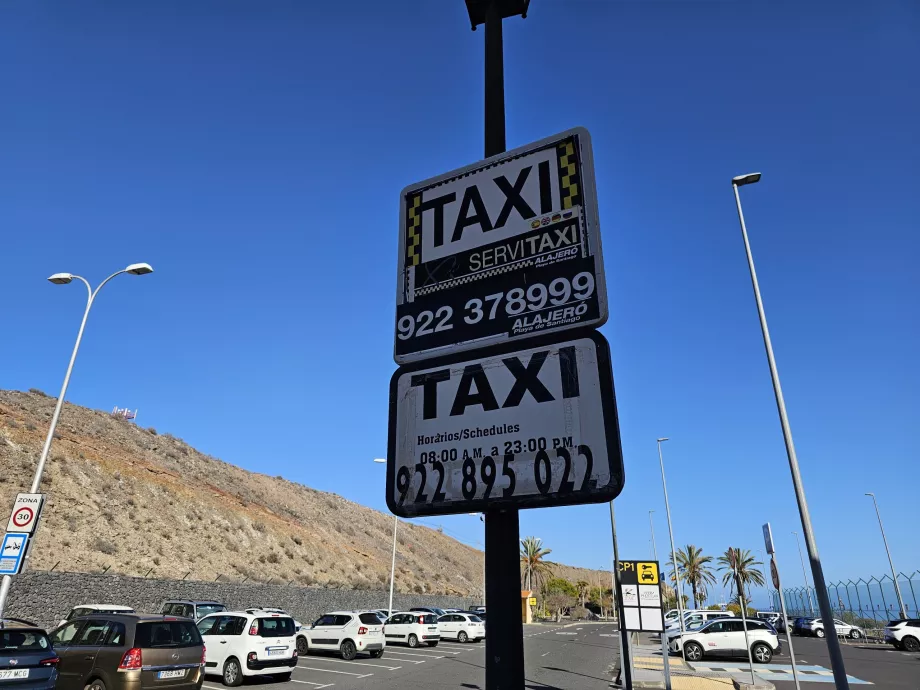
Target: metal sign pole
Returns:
[[504, 628], [625, 655], [782, 605]]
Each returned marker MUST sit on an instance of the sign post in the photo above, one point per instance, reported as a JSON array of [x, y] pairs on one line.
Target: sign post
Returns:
[[733, 562], [774, 575]]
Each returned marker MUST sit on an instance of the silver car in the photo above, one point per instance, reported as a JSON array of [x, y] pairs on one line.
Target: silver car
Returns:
[[816, 628]]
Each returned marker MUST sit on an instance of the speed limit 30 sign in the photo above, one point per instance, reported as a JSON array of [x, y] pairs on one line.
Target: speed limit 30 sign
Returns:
[[26, 510], [508, 426], [503, 250]]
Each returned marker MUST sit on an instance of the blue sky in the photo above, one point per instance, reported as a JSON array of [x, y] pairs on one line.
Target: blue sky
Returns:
[[253, 154]]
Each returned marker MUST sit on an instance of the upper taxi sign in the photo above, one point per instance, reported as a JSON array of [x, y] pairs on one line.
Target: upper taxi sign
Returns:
[[504, 249]]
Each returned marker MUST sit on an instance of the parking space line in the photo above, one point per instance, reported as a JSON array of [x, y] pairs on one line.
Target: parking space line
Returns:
[[355, 663], [329, 670], [423, 656], [317, 685]]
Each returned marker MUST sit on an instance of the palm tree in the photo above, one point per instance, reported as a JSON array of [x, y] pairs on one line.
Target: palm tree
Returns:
[[533, 568], [694, 568], [583, 588], [747, 574]]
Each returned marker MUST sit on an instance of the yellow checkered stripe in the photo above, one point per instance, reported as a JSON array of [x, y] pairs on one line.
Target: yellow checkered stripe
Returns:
[[413, 230], [453, 282], [568, 174]]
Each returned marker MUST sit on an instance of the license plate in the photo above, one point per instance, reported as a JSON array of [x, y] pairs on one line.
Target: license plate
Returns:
[[275, 652], [14, 673], [432, 629], [171, 674]]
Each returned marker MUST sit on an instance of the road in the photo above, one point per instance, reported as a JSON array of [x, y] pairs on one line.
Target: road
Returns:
[[881, 665], [556, 657]]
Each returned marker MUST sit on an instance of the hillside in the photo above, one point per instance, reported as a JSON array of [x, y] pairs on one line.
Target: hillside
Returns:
[[136, 502]]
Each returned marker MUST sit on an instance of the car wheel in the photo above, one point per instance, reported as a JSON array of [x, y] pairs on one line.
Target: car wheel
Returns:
[[462, 637], [233, 674], [282, 677], [693, 651], [413, 641], [761, 653], [302, 645], [95, 684], [910, 643], [819, 632], [349, 651], [855, 634], [377, 654]]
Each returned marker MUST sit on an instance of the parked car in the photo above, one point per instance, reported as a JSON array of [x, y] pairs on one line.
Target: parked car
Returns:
[[725, 637], [128, 651], [27, 657], [798, 625], [429, 609], [462, 627], [412, 628], [816, 627], [248, 643], [190, 608], [271, 609], [348, 633], [694, 619], [87, 609], [904, 634]]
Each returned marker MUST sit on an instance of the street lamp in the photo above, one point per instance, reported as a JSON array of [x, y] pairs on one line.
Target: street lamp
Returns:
[[811, 606], [817, 572], [897, 588], [64, 279], [482, 519], [393, 561], [678, 590], [652, 528]]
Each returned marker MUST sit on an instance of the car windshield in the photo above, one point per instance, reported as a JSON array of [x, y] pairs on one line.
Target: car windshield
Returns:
[[276, 626], [23, 641], [206, 609]]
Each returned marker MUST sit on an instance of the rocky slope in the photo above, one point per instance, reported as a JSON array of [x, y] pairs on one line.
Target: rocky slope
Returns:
[[128, 500]]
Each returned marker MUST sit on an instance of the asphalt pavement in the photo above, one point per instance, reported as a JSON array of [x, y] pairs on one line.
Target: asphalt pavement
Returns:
[[557, 657]]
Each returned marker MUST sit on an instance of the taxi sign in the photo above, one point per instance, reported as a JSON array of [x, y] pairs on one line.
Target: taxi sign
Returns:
[[532, 601], [12, 552], [640, 596], [26, 509]]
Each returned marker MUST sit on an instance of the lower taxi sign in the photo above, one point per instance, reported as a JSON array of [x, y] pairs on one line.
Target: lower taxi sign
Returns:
[[12, 552], [640, 596]]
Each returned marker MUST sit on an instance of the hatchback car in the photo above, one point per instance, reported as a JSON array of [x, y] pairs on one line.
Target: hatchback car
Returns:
[[128, 652], [249, 643], [348, 633], [725, 637], [27, 658], [190, 608], [88, 609], [413, 628], [816, 627], [462, 627], [902, 634], [428, 609]]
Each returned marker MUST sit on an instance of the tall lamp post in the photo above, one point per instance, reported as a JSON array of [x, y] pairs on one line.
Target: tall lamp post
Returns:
[[811, 606], [667, 506], [651, 526], [482, 519], [393, 561], [64, 279], [817, 572], [894, 576]]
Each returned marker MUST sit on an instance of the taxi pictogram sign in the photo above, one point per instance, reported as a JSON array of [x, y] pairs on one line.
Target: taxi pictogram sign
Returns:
[[640, 596]]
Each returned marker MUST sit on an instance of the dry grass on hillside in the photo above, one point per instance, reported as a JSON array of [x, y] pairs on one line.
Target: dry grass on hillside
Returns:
[[125, 498]]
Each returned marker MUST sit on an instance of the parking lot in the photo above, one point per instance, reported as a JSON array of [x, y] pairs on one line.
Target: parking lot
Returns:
[[570, 657]]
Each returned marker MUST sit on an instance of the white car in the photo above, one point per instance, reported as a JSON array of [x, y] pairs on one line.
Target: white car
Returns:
[[904, 634], [348, 633], [88, 609], [694, 619], [412, 628], [462, 627], [816, 628], [271, 609], [725, 637], [248, 643]]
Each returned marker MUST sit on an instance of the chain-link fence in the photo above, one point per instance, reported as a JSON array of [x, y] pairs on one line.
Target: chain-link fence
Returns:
[[869, 604]]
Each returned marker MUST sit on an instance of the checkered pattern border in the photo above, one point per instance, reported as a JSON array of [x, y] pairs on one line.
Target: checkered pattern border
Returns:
[[568, 173], [453, 282], [413, 230]]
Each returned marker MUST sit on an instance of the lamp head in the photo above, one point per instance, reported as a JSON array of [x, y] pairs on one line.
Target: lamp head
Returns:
[[742, 180], [61, 278], [871, 494], [380, 460], [139, 269], [662, 439]]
